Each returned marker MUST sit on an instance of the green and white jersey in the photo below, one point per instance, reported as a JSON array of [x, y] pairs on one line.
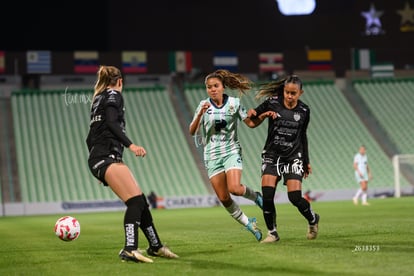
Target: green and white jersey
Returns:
[[219, 127]]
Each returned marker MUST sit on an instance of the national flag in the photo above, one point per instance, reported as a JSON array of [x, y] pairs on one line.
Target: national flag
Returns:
[[225, 60], [39, 62], [270, 62], [86, 62], [180, 61], [134, 62], [319, 59], [2, 62], [385, 70], [363, 58]]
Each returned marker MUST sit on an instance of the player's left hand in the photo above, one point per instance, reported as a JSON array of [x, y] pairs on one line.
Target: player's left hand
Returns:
[[308, 171]]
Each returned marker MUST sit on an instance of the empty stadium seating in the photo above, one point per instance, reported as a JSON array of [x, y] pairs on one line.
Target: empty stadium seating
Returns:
[[391, 102], [51, 128]]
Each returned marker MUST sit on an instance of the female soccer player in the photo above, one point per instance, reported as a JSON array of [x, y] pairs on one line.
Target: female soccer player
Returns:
[[362, 175], [217, 118], [285, 153], [106, 141]]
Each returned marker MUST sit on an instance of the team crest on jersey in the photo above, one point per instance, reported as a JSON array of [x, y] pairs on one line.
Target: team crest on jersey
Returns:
[[296, 116], [231, 108]]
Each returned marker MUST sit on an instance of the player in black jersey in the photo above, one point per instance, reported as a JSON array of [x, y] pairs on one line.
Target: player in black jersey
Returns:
[[106, 141], [285, 153]]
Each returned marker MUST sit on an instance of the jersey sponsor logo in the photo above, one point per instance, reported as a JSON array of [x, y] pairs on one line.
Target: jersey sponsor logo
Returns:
[[287, 123], [287, 131], [283, 143], [210, 111], [219, 124]]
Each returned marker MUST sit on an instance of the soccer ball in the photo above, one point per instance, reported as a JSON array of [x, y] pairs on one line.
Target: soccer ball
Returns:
[[67, 228]]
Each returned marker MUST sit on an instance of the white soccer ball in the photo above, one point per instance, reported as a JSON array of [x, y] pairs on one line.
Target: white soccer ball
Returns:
[[67, 228]]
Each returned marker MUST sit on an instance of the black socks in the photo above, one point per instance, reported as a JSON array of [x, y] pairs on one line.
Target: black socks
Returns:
[[269, 209], [132, 220]]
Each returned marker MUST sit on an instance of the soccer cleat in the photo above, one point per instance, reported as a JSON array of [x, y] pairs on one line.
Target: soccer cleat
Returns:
[[252, 227], [259, 200], [355, 200], [365, 203], [313, 229], [164, 251], [134, 256], [271, 237]]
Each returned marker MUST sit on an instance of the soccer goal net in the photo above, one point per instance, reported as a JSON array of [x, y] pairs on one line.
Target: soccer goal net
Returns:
[[403, 166]]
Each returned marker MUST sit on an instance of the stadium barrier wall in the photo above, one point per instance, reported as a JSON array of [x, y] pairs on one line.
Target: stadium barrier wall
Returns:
[[176, 202]]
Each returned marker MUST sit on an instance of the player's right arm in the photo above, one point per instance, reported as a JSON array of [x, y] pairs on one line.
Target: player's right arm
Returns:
[[195, 123], [253, 120], [356, 166]]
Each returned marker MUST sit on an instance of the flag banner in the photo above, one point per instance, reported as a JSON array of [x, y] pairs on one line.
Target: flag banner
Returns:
[[363, 58], [225, 60], [385, 70], [134, 62], [2, 62], [86, 62], [270, 62], [180, 61], [319, 59], [39, 62]]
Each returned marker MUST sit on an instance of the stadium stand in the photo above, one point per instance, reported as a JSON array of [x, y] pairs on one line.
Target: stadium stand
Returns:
[[390, 101], [335, 134], [51, 128]]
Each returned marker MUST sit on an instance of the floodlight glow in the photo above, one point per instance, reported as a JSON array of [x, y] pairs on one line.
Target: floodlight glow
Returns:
[[296, 7]]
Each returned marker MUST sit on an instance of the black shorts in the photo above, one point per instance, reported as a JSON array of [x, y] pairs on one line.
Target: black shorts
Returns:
[[288, 168], [99, 165]]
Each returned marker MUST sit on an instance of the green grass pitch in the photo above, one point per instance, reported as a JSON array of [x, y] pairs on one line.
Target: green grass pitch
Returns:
[[353, 240]]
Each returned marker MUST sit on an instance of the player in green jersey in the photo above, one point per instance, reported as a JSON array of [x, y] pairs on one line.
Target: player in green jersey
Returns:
[[216, 120]]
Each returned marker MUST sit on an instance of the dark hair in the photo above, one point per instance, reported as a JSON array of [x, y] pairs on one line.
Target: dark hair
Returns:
[[275, 88], [231, 80], [294, 79]]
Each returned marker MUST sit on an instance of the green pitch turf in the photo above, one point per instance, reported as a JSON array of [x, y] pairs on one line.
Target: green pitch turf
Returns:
[[353, 240]]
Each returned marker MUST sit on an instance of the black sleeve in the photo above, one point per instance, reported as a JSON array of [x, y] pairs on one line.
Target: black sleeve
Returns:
[[263, 107], [111, 115], [305, 142]]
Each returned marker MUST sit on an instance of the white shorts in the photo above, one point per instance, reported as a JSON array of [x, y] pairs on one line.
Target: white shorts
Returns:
[[359, 179]]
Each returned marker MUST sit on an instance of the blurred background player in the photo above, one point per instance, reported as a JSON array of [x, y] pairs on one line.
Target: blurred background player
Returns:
[[362, 175]]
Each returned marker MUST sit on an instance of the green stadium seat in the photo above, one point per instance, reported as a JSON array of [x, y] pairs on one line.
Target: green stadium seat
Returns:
[[52, 155]]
